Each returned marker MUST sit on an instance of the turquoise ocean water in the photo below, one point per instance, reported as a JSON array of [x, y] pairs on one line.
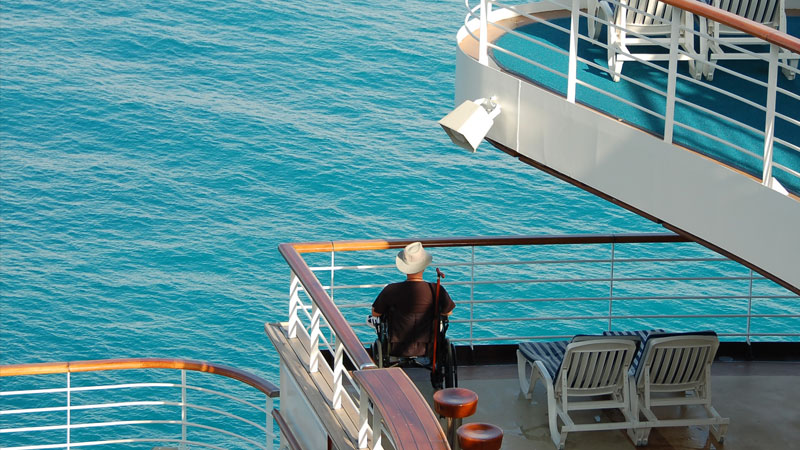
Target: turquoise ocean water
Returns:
[[154, 154]]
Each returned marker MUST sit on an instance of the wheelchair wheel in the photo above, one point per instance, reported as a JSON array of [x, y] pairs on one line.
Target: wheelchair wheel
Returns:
[[450, 367], [377, 353]]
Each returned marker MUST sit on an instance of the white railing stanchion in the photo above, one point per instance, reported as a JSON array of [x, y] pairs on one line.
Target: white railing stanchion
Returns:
[[333, 264], [611, 289], [483, 50], [572, 70], [270, 425], [472, 297], [769, 121], [749, 307], [377, 435], [313, 352], [669, 119], [184, 415], [363, 419], [69, 411], [338, 373], [294, 306]]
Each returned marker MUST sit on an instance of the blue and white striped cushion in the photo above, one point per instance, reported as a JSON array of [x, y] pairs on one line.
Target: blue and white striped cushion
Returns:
[[643, 335], [659, 334], [549, 353]]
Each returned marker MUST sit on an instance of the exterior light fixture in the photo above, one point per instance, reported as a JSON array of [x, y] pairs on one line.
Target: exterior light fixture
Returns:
[[469, 123]]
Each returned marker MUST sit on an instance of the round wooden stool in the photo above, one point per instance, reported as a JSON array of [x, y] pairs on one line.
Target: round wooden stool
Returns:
[[454, 404], [480, 436]]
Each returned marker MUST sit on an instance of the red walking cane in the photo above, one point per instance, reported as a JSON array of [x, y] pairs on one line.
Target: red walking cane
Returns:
[[436, 316]]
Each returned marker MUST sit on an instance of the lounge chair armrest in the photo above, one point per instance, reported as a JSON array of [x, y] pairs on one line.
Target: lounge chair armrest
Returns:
[[546, 378]]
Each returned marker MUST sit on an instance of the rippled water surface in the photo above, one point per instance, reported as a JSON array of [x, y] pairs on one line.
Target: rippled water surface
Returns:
[[154, 154]]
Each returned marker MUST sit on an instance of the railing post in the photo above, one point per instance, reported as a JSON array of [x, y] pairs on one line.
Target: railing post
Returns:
[[331, 335], [483, 50], [333, 261], [769, 122], [363, 419], [749, 306], [294, 306], [472, 297], [572, 70], [611, 288], [270, 425], [69, 411], [377, 436], [313, 352], [338, 373], [672, 74], [183, 410]]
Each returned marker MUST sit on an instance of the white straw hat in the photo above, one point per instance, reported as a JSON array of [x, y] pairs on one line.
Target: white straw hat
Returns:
[[413, 258]]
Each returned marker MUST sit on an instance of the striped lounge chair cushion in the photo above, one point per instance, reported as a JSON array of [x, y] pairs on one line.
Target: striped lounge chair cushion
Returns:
[[642, 334], [549, 353]]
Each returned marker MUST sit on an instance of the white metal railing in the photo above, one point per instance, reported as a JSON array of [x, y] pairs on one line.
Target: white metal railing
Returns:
[[764, 120], [310, 312], [95, 404], [588, 289], [336, 383]]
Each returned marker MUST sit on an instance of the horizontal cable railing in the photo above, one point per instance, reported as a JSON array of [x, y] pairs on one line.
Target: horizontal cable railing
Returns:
[[737, 103], [95, 403], [643, 281]]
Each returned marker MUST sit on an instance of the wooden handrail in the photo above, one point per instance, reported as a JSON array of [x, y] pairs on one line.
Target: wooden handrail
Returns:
[[730, 19], [383, 244], [288, 438], [141, 363], [407, 415]]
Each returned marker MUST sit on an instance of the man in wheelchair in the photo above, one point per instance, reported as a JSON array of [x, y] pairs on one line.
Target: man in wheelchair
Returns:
[[410, 334]]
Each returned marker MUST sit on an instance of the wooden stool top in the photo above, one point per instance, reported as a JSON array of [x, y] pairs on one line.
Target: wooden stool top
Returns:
[[455, 403], [479, 436]]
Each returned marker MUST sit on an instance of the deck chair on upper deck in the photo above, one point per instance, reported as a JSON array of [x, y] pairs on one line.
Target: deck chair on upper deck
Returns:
[[587, 367], [673, 365], [645, 25], [771, 13]]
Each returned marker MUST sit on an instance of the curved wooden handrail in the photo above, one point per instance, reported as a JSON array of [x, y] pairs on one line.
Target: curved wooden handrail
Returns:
[[141, 363], [288, 436], [748, 26], [407, 415]]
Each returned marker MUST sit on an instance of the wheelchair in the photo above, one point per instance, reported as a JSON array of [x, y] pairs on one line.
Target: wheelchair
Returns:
[[445, 372]]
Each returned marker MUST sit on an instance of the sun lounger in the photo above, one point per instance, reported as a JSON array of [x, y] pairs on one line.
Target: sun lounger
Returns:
[[675, 370], [767, 12], [642, 25], [586, 367]]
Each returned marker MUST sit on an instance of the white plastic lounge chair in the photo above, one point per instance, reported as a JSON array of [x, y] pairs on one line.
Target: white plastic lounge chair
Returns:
[[642, 23], [588, 366], [675, 370], [768, 12]]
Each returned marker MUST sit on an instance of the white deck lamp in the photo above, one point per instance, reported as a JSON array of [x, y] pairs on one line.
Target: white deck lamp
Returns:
[[469, 123]]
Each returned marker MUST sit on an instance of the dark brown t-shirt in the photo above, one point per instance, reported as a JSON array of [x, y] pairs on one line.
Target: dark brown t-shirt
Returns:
[[410, 306]]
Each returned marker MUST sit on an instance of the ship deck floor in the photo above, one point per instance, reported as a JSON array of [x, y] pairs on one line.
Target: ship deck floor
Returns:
[[760, 398]]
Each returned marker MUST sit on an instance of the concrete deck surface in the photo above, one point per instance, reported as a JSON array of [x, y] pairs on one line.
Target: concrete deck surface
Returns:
[[762, 399]]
